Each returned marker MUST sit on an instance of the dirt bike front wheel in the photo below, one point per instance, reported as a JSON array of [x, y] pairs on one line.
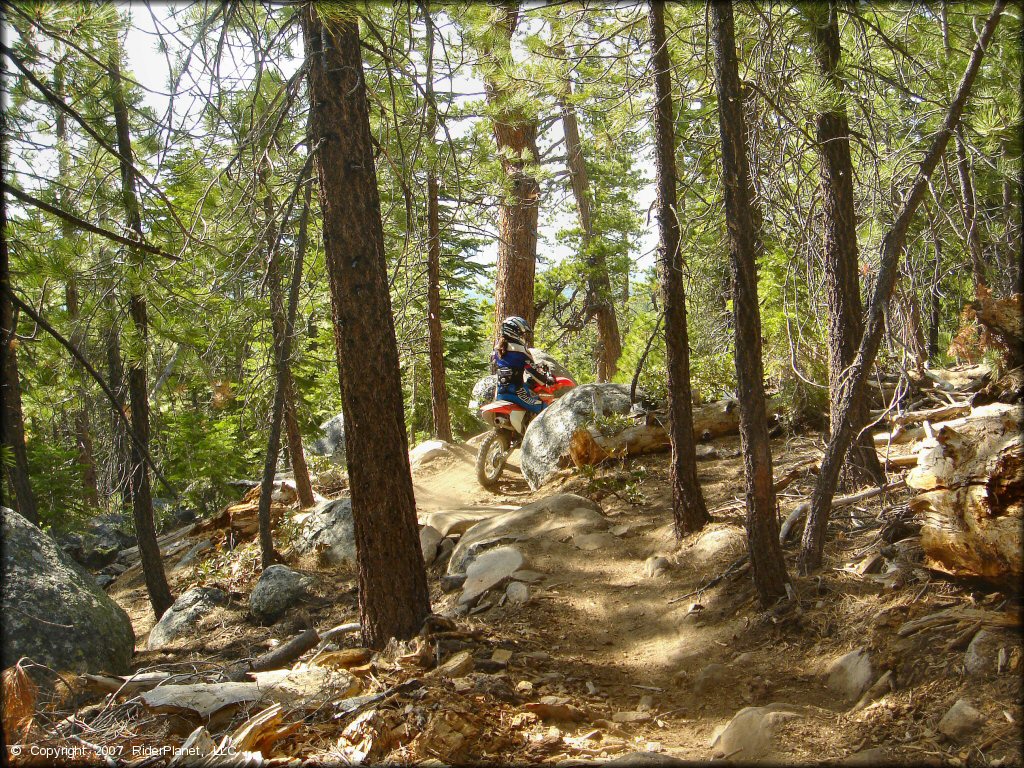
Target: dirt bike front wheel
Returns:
[[490, 461]]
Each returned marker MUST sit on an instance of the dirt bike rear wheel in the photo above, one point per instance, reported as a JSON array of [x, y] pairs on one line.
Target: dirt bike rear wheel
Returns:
[[490, 460]]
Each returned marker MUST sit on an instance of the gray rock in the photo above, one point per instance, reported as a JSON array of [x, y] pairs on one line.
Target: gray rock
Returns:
[[332, 441], [851, 674], [54, 611], [961, 721], [566, 514], [871, 757], [184, 616], [750, 734], [278, 589], [646, 758], [517, 593], [982, 656], [655, 566], [104, 580], [428, 451], [97, 546], [709, 678], [329, 530], [430, 540], [546, 442]]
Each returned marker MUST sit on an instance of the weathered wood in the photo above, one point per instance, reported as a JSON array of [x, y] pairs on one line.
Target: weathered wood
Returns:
[[971, 472], [278, 657], [843, 501], [957, 615]]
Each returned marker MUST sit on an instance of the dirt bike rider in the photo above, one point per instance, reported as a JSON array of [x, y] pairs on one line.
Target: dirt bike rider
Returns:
[[512, 358]]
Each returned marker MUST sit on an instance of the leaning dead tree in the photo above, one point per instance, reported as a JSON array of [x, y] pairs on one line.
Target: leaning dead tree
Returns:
[[852, 388]]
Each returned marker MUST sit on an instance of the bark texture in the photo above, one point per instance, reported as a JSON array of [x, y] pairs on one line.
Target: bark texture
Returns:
[[842, 283], [688, 507], [516, 136], [13, 420], [746, 246], [855, 382], [971, 475], [279, 324], [393, 596], [139, 484]]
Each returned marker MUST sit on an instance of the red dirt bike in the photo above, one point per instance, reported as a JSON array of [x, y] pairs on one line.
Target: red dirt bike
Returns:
[[510, 421]]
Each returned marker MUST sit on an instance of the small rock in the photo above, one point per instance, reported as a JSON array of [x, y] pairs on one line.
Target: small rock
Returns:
[[631, 717], [517, 593], [488, 570], [646, 758], [709, 678], [459, 665], [451, 583], [527, 576], [646, 703], [748, 736], [655, 566], [851, 674], [961, 720], [524, 687], [105, 580], [444, 552], [184, 616], [501, 655], [743, 659], [982, 656], [430, 538], [871, 757], [278, 589], [591, 688]]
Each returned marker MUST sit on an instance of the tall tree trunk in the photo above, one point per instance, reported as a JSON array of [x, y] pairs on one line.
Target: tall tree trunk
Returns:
[[393, 595], [842, 284], [278, 320], [746, 247], [435, 338], [853, 388], [142, 500], [83, 436], [282, 353], [599, 291], [688, 508], [121, 460], [934, 293], [516, 137], [10, 386]]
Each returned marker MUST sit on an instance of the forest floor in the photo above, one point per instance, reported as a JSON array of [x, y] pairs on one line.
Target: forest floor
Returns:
[[607, 660]]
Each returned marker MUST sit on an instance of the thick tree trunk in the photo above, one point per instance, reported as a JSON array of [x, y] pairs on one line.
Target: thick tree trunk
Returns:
[[516, 137], [10, 385], [746, 247], [393, 596], [842, 284], [435, 338], [278, 321], [688, 507], [855, 382], [142, 502]]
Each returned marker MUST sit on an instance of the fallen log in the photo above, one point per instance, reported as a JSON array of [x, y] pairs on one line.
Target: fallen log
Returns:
[[278, 657], [971, 472], [716, 419], [843, 501]]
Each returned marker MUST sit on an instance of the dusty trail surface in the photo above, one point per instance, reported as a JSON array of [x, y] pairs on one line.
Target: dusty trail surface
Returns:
[[614, 652]]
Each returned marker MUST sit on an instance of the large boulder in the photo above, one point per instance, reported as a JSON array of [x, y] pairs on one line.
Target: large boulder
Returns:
[[332, 442], [97, 546], [330, 532], [184, 617], [565, 514], [546, 442], [54, 612]]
